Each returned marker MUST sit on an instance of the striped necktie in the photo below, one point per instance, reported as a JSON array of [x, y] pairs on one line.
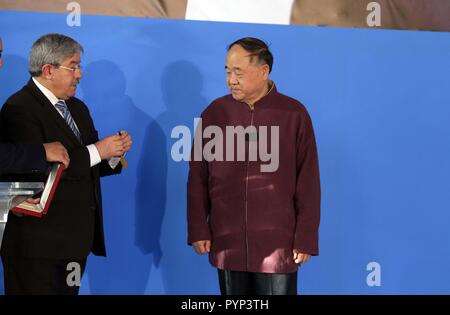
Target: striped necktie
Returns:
[[61, 105]]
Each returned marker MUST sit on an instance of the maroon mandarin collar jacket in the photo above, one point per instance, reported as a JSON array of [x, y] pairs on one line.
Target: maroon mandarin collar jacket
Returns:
[[255, 219]]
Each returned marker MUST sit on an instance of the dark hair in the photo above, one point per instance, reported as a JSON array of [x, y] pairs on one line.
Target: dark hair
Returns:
[[256, 48]]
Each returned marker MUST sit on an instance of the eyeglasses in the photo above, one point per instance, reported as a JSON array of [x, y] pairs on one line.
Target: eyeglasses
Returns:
[[77, 67]]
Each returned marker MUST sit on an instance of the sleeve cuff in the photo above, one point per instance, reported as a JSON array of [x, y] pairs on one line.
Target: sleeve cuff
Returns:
[[94, 155]]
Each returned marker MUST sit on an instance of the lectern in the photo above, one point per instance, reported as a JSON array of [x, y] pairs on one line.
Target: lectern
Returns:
[[13, 193]]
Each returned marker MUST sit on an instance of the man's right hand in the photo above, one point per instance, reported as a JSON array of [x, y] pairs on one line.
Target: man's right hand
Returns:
[[110, 146], [56, 152], [202, 247]]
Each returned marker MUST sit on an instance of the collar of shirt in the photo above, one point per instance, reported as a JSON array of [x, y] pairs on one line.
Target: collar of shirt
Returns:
[[48, 94], [266, 98]]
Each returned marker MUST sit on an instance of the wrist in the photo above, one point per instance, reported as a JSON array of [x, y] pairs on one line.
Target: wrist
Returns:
[[98, 146]]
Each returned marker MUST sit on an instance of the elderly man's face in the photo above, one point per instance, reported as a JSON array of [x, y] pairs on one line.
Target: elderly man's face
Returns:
[[246, 79], [65, 81], [1, 50]]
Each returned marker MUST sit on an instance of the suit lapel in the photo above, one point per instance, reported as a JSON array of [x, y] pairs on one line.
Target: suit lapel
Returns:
[[52, 113]]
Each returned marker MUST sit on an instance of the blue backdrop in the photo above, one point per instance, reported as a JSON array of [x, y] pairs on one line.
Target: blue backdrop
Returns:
[[380, 105]]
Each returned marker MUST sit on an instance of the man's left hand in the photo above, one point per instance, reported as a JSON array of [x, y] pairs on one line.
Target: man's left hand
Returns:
[[300, 258]]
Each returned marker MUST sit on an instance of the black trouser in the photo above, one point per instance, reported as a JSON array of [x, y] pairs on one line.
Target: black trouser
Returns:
[[256, 283], [41, 276]]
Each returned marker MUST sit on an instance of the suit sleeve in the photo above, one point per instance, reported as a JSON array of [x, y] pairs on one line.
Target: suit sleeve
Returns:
[[20, 158], [307, 194], [198, 203], [103, 166], [106, 170]]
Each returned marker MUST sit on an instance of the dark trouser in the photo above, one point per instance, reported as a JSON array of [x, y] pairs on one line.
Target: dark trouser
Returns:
[[42, 276], [256, 283]]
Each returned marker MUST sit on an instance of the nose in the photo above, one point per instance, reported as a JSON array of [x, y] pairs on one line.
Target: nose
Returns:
[[78, 74], [232, 79]]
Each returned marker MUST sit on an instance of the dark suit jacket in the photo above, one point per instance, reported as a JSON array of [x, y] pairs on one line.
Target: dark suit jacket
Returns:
[[73, 226], [18, 158]]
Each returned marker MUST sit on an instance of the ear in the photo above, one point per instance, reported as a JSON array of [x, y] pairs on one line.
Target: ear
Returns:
[[47, 71], [265, 71]]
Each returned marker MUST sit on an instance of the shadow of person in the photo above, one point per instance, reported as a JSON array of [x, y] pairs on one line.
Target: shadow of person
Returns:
[[150, 193], [13, 75], [182, 271], [127, 267]]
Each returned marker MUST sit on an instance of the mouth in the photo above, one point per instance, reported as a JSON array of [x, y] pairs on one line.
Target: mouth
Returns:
[[74, 88]]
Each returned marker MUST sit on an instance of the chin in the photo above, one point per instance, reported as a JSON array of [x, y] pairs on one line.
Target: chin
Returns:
[[237, 97]]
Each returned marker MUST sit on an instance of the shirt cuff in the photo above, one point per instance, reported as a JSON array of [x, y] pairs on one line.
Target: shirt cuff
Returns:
[[94, 155]]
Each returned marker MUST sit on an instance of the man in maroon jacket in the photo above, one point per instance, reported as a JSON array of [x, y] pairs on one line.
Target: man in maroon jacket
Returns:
[[256, 215]]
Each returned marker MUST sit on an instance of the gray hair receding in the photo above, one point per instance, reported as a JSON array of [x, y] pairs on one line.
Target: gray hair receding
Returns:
[[51, 49]]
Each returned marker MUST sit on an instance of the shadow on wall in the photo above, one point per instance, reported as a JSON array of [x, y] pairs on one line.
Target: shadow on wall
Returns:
[[15, 69], [132, 237], [183, 272]]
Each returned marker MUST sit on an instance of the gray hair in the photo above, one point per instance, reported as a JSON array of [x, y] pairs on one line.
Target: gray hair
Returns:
[[51, 49]]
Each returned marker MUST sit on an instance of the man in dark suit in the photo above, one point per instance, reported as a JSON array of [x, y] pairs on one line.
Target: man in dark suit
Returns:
[[18, 158], [48, 255]]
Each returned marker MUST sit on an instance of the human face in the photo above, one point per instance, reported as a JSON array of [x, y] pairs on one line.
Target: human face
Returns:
[[64, 81], [1, 50], [246, 79]]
